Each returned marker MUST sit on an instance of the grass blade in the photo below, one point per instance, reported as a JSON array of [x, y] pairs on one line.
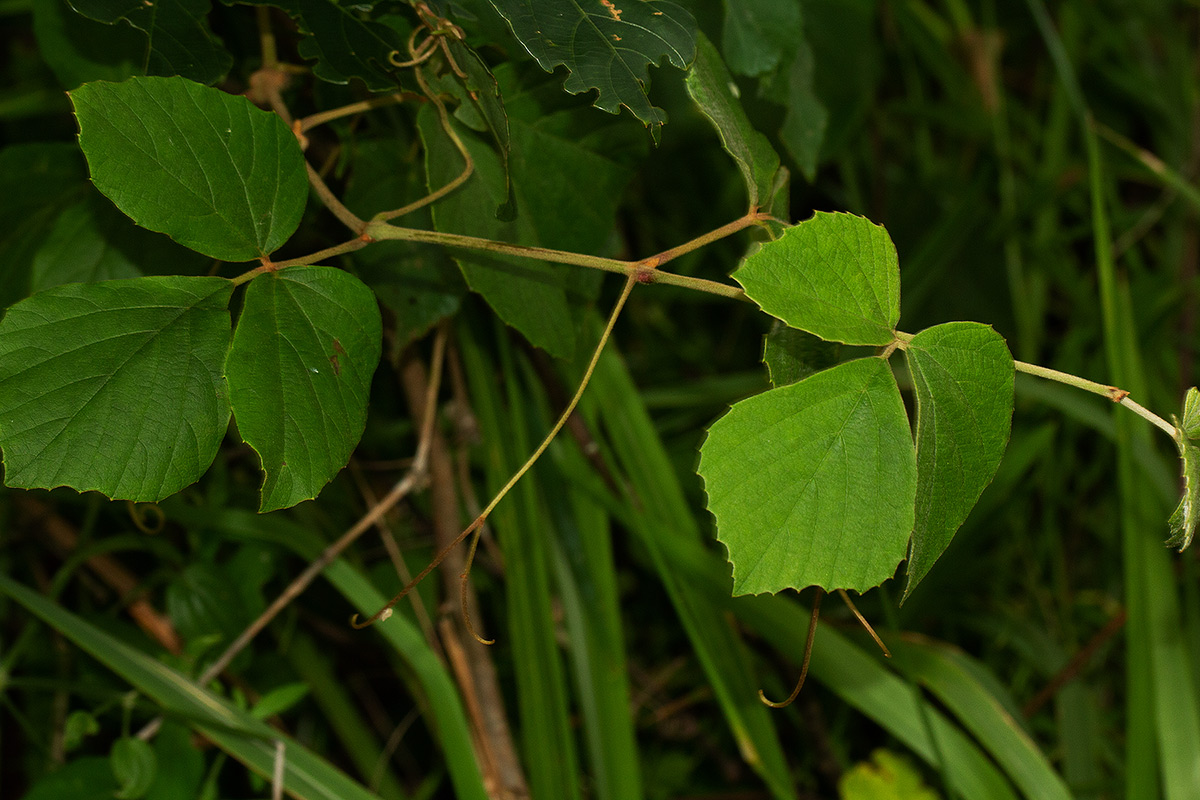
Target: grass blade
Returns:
[[521, 523], [1163, 736], [250, 741], [948, 675], [431, 680]]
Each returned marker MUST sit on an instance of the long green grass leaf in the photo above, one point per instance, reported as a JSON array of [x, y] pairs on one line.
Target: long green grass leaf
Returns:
[[247, 739], [522, 524], [946, 673], [430, 678], [1163, 712]]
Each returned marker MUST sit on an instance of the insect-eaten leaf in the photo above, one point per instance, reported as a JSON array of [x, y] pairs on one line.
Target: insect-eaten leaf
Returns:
[[606, 46], [813, 483], [1187, 439]]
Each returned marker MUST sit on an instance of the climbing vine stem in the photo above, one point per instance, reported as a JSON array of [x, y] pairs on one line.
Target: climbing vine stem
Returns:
[[1114, 393], [1111, 392]]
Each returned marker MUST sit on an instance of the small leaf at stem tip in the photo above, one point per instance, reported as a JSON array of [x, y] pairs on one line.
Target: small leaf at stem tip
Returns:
[[835, 275], [1187, 439]]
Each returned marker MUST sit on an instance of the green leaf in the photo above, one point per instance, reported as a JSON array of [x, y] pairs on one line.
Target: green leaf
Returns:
[[1187, 439], [805, 116], [757, 33], [280, 699], [181, 781], [203, 603], [76, 250], [36, 182], [87, 778], [813, 483], [177, 38], [78, 726], [963, 378], [792, 355], [91, 241], [713, 90], [78, 49], [835, 275], [527, 294], [559, 214], [481, 94], [885, 777], [306, 346], [606, 46], [115, 386], [345, 42], [204, 167], [134, 766]]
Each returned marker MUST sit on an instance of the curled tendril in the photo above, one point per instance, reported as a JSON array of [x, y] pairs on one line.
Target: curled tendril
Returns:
[[808, 645], [147, 517], [463, 579]]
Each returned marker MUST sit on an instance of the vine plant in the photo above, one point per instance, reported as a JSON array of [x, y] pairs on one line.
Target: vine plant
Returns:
[[127, 386]]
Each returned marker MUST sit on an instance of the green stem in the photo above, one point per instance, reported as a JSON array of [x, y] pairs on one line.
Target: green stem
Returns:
[[1111, 392], [644, 271], [331, 201], [1114, 393]]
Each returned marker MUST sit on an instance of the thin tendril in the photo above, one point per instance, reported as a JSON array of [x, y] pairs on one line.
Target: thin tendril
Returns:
[[463, 580], [863, 621], [808, 645], [483, 515]]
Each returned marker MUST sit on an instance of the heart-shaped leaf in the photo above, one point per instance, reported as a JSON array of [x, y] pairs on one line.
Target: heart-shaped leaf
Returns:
[[306, 346], [204, 167], [115, 386], [835, 275], [813, 483]]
